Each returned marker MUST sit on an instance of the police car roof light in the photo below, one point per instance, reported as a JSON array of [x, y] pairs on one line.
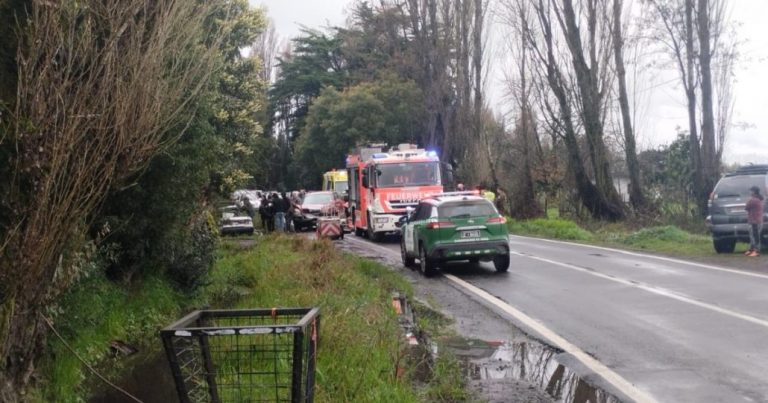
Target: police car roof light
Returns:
[[464, 193]]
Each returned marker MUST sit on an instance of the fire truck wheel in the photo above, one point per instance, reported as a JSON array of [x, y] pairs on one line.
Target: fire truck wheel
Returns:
[[372, 235], [358, 232]]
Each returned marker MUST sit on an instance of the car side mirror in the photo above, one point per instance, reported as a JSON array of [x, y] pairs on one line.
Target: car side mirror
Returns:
[[408, 213], [402, 221]]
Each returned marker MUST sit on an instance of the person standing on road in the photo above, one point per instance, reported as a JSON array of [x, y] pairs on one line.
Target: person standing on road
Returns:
[[279, 207], [288, 213], [265, 212], [755, 219]]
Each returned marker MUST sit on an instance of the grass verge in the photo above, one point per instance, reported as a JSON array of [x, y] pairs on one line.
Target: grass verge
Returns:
[[668, 239], [361, 340]]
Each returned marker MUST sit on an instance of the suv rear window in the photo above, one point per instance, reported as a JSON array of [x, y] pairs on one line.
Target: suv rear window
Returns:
[[466, 209], [737, 186]]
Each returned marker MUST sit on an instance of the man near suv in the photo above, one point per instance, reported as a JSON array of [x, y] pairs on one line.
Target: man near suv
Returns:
[[755, 220]]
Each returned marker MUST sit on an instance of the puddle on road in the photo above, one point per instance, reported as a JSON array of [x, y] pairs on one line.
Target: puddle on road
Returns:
[[528, 361]]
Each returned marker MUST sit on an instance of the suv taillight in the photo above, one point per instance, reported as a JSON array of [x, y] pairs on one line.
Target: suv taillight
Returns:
[[440, 224], [496, 220]]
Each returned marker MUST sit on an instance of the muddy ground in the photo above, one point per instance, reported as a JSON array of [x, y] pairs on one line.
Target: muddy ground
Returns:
[[481, 334]]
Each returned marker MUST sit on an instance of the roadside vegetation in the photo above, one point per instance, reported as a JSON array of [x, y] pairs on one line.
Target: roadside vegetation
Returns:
[[361, 341], [665, 239]]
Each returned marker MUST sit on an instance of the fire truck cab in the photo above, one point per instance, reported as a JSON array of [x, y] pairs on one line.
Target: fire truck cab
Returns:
[[384, 183]]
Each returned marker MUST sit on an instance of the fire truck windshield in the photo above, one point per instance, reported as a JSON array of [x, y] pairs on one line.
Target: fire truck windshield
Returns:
[[407, 174]]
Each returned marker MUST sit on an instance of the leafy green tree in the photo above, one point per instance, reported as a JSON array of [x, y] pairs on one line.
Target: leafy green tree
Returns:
[[155, 220], [388, 110], [314, 63]]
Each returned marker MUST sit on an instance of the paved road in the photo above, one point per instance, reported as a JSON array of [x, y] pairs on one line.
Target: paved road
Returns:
[[678, 331]]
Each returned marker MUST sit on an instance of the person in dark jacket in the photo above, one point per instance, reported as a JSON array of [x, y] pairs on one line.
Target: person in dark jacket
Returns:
[[288, 213], [280, 209], [755, 219], [265, 212]]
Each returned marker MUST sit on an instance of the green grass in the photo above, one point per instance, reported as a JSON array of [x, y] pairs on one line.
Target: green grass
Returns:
[[662, 239], [95, 313], [361, 342], [667, 239], [556, 228], [360, 339]]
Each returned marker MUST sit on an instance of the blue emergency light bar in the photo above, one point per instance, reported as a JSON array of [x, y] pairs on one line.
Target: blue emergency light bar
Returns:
[[379, 156]]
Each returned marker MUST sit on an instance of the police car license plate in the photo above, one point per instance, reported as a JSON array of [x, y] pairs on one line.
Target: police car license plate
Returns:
[[470, 234]]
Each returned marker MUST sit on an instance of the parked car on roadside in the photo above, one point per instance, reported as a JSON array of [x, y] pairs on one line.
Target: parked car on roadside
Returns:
[[454, 226], [229, 210], [234, 225], [727, 217], [311, 207]]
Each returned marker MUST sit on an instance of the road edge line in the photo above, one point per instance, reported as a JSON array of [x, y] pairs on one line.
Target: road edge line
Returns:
[[596, 366], [640, 254]]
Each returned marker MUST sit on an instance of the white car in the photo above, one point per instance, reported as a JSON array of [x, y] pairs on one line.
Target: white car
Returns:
[[234, 225]]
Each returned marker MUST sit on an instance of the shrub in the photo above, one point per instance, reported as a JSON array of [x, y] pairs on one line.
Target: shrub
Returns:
[[191, 255]]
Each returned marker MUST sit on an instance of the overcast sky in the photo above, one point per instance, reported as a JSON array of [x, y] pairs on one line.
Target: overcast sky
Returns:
[[663, 105]]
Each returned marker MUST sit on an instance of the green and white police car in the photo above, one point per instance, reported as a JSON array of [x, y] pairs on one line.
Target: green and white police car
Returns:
[[454, 226]]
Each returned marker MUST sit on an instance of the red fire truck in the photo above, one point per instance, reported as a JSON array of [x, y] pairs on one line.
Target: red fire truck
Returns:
[[383, 183]]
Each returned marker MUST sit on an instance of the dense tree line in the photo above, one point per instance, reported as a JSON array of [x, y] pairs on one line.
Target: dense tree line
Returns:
[[569, 135], [120, 123], [425, 57]]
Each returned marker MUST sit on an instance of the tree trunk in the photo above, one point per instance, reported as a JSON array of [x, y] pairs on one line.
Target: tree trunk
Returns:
[[636, 196], [690, 94], [591, 101], [709, 163], [589, 194], [23, 338]]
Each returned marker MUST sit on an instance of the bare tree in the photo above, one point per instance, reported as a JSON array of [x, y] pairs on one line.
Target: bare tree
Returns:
[[709, 164], [636, 196], [693, 31], [102, 87], [266, 47], [576, 88]]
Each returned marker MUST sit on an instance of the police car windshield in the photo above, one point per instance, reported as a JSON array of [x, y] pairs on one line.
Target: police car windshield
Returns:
[[407, 174]]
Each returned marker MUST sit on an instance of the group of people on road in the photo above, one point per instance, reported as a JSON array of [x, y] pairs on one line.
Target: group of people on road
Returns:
[[277, 210], [755, 208]]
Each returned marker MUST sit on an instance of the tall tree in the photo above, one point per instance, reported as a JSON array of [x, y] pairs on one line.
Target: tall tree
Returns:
[[590, 79], [710, 166], [600, 197], [695, 37], [636, 196], [93, 107]]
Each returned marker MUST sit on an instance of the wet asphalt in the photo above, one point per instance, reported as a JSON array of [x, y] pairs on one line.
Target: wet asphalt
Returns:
[[678, 331]]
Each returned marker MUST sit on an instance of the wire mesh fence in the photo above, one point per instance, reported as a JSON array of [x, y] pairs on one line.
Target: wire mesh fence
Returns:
[[252, 355]]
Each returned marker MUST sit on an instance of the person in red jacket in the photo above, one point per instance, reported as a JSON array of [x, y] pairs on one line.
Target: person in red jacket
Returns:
[[755, 219]]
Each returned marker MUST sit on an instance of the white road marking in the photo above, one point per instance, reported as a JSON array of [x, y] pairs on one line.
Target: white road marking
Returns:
[[596, 366], [654, 290], [553, 338], [662, 258]]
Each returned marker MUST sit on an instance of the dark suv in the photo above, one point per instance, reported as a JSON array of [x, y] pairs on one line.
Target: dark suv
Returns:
[[727, 219]]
